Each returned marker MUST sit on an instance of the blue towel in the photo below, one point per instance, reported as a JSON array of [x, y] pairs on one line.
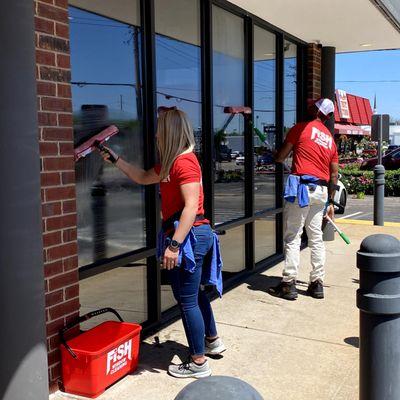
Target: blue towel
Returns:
[[296, 187], [212, 267]]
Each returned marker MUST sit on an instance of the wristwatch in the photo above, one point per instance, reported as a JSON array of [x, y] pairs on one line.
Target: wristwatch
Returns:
[[174, 245]]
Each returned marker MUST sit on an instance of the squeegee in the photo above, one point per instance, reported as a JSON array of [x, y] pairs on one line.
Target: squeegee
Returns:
[[91, 144]]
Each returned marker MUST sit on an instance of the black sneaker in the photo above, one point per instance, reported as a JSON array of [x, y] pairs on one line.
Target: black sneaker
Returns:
[[316, 289], [285, 290]]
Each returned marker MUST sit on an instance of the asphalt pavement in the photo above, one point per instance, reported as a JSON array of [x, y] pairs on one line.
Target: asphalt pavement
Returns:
[[363, 209]]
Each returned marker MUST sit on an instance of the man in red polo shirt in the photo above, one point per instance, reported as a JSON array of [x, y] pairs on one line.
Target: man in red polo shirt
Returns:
[[309, 192]]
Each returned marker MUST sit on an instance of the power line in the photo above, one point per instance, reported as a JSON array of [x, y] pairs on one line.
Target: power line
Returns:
[[373, 81]]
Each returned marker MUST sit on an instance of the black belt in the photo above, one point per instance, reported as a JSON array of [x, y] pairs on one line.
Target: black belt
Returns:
[[168, 225], [320, 182]]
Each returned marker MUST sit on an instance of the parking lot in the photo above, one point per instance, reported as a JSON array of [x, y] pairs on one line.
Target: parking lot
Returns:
[[363, 209]]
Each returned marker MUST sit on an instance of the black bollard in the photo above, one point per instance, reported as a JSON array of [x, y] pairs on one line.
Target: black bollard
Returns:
[[218, 388], [379, 195], [378, 299]]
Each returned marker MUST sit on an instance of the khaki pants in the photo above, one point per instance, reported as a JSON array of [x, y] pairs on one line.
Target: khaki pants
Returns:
[[295, 219]]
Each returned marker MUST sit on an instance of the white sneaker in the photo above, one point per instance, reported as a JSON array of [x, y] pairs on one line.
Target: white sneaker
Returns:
[[215, 347], [190, 369]]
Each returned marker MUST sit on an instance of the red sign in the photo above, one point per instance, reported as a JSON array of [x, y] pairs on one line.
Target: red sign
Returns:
[[343, 104]]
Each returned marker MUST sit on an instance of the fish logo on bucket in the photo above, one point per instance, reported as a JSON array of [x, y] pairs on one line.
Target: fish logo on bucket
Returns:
[[118, 357]]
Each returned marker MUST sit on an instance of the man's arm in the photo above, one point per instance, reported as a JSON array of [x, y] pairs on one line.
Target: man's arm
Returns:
[[334, 171], [283, 152], [334, 168]]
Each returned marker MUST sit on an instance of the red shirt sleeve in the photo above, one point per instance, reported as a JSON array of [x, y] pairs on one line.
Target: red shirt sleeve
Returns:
[[294, 133], [186, 170]]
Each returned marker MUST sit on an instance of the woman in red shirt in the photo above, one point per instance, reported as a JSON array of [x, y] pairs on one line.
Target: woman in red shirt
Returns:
[[179, 176]]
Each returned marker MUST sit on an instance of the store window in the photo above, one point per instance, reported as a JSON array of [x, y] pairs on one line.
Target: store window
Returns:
[[289, 85], [178, 72], [123, 288], [228, 90], [106, 89], [178, 59], [265, 237], [264, 118]]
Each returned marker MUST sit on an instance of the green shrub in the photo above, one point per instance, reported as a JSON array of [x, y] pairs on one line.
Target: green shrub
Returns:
[[357, 181]]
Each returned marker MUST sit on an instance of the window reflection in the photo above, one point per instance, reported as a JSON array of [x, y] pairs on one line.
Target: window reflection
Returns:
[[233, 251], [178, 73], [228, 90], [290, 85], [290, 92], [123, 288], [106, 90], [264, 118], [178, 58], [265, 238]]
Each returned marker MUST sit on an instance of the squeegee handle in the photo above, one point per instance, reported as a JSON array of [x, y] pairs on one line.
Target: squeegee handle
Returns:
[[102, 148]]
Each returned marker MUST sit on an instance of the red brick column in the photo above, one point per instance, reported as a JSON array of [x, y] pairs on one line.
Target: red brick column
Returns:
[[314, 71], [58, 172]]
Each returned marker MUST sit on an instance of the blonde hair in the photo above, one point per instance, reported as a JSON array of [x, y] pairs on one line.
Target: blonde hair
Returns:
[[174, 136]]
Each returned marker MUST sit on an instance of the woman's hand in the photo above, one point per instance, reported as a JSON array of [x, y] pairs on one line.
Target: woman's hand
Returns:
[[170, 260], [106, 152]]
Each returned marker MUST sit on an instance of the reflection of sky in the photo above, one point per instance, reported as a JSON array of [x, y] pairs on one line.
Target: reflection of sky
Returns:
[[102, 51], [179, 75]]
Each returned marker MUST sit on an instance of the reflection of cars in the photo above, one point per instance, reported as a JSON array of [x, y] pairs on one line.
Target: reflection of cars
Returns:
[[239, 160], [235, 154], [389, 161], [392, 147], [265, 159], [341, 198], [224, 153]]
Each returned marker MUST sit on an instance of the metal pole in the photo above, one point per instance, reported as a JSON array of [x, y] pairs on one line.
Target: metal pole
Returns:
[[379, 195], [23, 361], [378, 299], [328, 62]]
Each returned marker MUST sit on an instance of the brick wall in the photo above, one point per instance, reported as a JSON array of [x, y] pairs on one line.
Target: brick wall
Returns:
[[314, 71], [57, 172]]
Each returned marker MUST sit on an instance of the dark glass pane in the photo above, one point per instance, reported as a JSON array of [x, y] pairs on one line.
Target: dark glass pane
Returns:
[[123, 288], [228, 90], [178, 63], [290, 92], [290, 85], [106, 90], [233, 251], [265, 238], [264, 118], [178, 55]]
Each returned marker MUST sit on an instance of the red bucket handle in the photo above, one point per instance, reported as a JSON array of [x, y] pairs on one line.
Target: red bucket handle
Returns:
[[82, 319]]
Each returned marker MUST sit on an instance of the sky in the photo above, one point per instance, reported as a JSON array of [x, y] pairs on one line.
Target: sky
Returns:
[[368, 73]]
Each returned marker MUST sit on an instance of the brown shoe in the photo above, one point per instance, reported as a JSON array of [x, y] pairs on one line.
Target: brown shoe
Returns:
[[285, 290], [316, 289]]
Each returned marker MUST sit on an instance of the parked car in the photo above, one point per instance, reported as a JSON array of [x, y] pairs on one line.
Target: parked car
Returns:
[[224, 154], [235, 154], [265, 159], [389, 161], [391, 148], [239, 160], [341, 198]]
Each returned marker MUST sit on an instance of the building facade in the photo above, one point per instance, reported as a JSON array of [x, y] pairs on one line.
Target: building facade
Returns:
[[99, 64]]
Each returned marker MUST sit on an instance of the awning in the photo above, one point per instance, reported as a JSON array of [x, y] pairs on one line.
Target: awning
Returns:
[[342, 129]]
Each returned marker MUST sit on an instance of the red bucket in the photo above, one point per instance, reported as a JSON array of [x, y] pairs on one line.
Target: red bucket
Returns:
[[100, 356]]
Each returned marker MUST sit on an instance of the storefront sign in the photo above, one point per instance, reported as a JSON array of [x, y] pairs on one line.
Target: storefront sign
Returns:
[[343, 104]]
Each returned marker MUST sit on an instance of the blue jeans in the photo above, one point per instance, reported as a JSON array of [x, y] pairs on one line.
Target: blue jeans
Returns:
[[197, 315]]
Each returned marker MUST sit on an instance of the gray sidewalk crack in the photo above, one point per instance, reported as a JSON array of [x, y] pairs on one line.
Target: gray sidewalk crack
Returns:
[[284, 334]]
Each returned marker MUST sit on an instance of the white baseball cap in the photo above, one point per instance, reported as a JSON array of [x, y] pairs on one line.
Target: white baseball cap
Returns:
[[325, 106]]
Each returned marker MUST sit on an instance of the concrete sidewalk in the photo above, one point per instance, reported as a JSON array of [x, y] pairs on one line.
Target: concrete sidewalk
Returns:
[[305, 349]]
